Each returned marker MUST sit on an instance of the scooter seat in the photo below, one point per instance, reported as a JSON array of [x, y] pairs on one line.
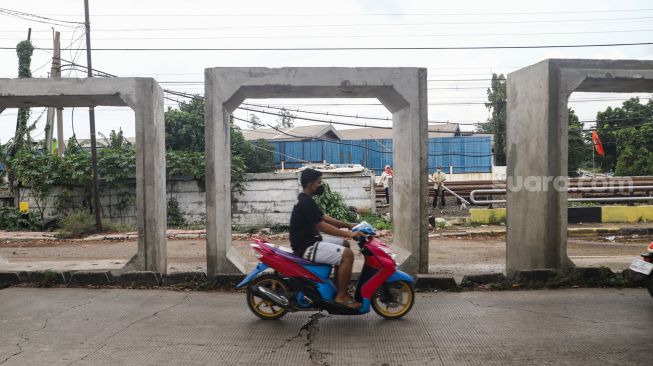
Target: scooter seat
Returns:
[[295, 258]]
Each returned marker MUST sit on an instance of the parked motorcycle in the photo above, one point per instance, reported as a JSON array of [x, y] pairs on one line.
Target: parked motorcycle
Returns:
[[644, 266], [296, 284]]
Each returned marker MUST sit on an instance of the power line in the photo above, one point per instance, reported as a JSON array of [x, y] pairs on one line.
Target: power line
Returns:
[[441, 48], [385, 36], [364, 14], [36, 18]]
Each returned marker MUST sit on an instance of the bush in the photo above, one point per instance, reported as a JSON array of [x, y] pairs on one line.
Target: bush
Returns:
[[332, 204], [76, 225], [12, 219], [378, 221], [175, 215]]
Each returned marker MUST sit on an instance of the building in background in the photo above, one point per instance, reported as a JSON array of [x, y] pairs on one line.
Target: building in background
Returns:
[[455, 151]]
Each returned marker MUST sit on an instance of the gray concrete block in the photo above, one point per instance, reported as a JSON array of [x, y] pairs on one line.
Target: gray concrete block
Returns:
[[483, 279], [9, 278], [137, 279], [90, 278], [46, 278], [434, 282], [179, 278]]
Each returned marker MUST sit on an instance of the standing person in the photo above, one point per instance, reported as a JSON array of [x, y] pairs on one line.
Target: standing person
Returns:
[[438, 178], [385, 177], [307, 222]]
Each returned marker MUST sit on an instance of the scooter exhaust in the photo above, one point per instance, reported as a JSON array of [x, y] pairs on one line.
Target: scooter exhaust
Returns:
[[271, 295]]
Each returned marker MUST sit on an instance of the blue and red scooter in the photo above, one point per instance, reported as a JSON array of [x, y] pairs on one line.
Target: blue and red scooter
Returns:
[[284, 283]]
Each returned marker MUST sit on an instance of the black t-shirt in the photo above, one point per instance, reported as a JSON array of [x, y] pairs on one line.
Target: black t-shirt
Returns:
[[303, 220]]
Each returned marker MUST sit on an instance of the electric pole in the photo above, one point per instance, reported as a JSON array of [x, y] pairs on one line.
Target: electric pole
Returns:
[[91, 116], [55, 72]]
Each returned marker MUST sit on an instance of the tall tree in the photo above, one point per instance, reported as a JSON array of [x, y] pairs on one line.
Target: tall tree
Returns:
[[580, 148], [619, 130], [496, 123], [185, 132], [254, 122], [285, 119]]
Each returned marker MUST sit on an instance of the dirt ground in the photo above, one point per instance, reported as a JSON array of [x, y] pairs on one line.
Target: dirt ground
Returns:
[[448, 256]]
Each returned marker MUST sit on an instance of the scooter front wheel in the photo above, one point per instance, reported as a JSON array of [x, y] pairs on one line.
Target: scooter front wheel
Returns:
[[395, 302], [264, 308]]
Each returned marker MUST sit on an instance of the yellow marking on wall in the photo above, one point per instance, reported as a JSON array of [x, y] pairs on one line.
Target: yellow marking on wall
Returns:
[[23, 206], [630, 214], [487, 215]]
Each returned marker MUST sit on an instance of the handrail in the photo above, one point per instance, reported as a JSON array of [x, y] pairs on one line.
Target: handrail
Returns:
[[572, 190]]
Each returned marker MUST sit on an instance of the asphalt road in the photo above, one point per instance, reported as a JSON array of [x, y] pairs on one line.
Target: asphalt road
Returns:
[[158, 327]]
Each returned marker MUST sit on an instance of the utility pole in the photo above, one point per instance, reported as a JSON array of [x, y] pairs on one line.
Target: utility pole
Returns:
[[91, 116], [55, 72]]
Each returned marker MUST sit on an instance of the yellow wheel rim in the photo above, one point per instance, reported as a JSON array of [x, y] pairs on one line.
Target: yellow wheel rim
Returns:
[[265, 308], [401, 292]]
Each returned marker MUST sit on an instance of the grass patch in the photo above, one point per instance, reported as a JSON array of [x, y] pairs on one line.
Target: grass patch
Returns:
[[76, 225]]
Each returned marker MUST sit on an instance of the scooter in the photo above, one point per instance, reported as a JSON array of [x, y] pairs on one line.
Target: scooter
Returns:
[[296, 284], [644, 267]]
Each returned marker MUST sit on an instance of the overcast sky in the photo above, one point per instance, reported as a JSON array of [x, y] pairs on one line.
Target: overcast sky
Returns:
[[457, 78]]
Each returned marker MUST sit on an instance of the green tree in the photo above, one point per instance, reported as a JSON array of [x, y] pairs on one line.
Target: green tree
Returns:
[[285, 119], [611, 126], [185, 126], [580, 147], [496, 123], [255, 122]]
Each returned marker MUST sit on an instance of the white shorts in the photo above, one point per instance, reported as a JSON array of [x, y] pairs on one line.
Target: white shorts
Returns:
[[328, 251]]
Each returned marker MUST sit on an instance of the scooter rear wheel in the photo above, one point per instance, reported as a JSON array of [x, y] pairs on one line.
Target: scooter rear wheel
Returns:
[[263, 308], [403, 298], [650, 284]]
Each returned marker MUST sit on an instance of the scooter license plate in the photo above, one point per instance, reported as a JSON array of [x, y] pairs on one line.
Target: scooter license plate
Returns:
[[641, 266]]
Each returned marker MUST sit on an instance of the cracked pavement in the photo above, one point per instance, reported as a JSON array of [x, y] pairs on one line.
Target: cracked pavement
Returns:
[[64, 326]]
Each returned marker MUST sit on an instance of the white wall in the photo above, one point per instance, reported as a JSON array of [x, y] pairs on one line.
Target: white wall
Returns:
[[268, 198]]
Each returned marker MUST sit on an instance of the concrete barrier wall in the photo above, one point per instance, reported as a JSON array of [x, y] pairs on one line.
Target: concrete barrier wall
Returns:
[[268, 198]]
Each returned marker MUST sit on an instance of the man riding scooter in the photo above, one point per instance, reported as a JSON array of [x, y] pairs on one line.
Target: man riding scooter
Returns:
[[307, 222]]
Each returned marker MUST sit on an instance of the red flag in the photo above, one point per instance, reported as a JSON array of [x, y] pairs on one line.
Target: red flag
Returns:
[[597, 143]]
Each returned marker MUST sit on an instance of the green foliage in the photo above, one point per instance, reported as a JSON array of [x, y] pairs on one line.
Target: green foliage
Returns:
[[185, 126], [580, 146], [285, 119], [496, 123], [11, 219], [376, 220], [260, 157], [185, 163], [626, 137], [634, 150], [175, 215], [77, 224], [332, 204], [40, 172]]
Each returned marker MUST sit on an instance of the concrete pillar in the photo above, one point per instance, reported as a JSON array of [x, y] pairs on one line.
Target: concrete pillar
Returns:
[[537, 123]]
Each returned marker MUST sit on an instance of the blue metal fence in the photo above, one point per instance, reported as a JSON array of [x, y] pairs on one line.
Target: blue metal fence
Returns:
[[466, 154]]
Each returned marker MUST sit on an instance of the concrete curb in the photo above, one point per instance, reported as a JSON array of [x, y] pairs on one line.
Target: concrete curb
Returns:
[[535, 277], [181, 278], [137, 279], [44, 278], [90, 278], [483, 279], [9, 278], [228, 280], [433, 282]]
